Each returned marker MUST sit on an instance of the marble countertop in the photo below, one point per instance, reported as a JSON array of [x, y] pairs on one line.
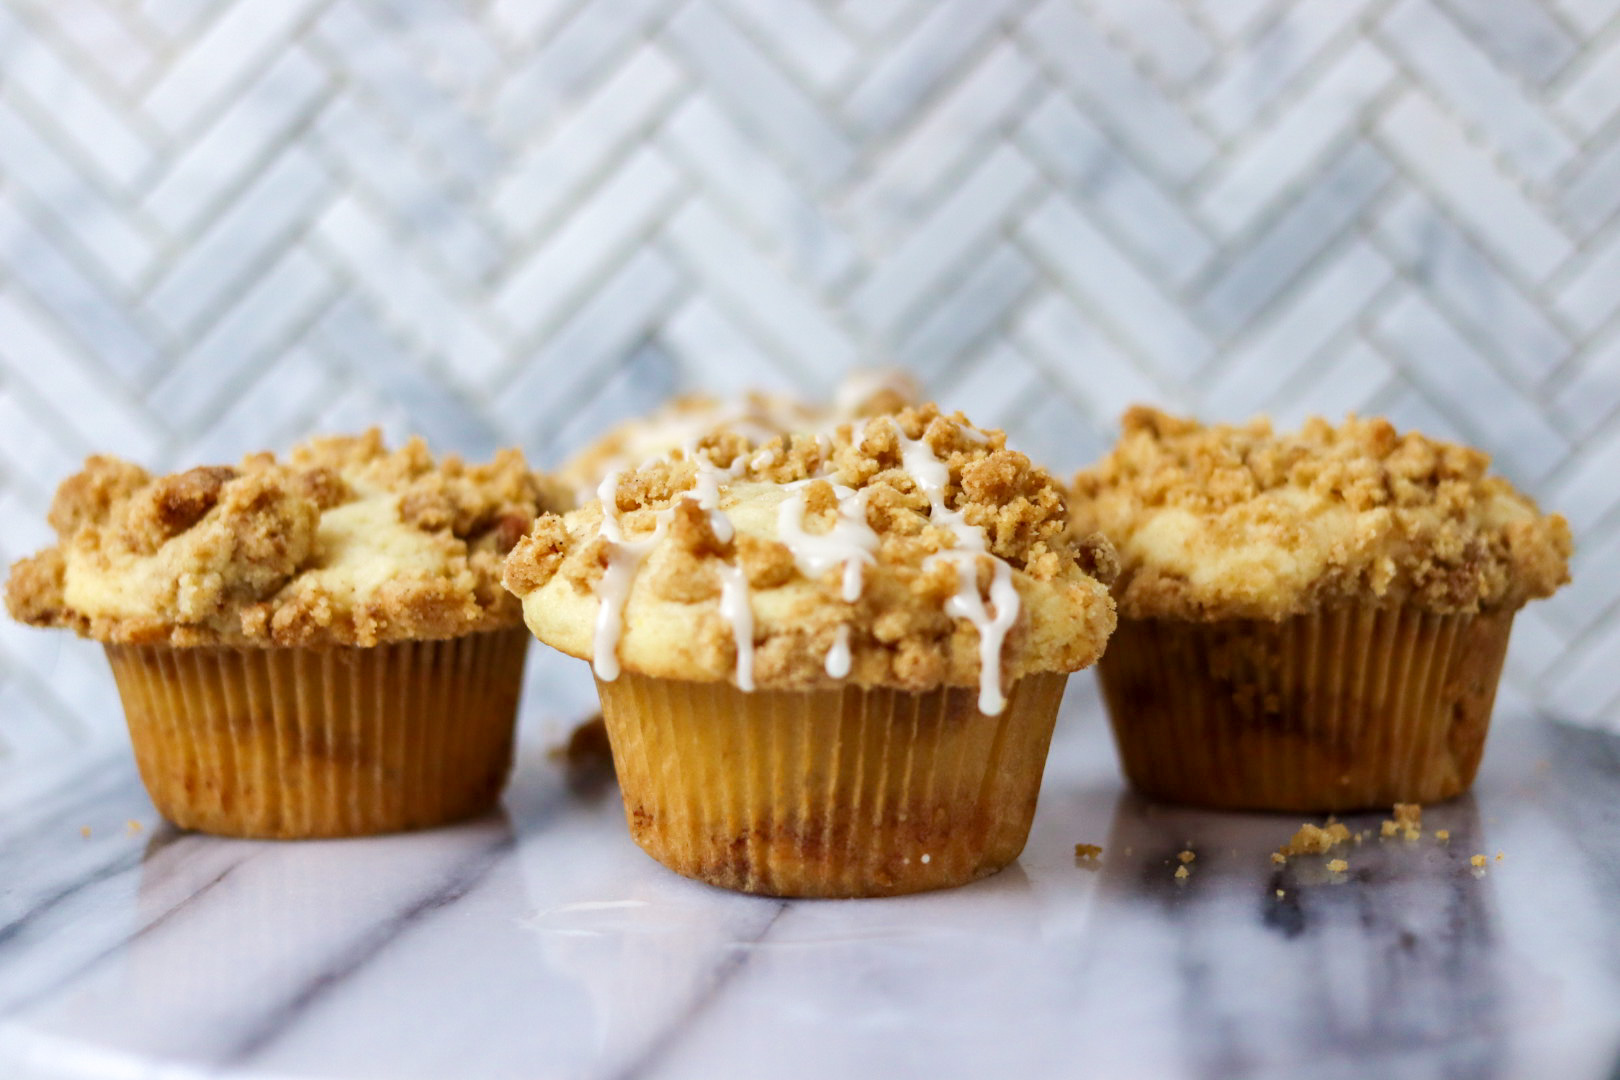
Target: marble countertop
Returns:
[[542, 943]]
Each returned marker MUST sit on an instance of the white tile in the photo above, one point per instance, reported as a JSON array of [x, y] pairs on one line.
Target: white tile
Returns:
[[214, 265], [1590, 99], [1459, 72], [749, 184], [904, 73], [411, 296], [594, 238], [802, 37], [764, 102], [1431, 147], [79, 112], [1077, 352], [1279, 347], [1329, 385], [1115, 289], [755, 293], [1271, 264], [1525, 36], [242, 40], [716, 354], [1160, 33], [939, 145], [1284, 51], [1136, 112], [1591, 394], [1591, 193], [1447, 264], [1588, 295], [967, 313], [604, 124], [78, 205], [957, 230], [1282, 153], [1136, 207], [104, 35], [1496, 415], [259, 323], [224, 155], [101, 414]]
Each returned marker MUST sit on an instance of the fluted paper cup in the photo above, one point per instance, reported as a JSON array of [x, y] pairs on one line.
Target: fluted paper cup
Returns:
[[1351, 708], [291, 743], [831, 793]]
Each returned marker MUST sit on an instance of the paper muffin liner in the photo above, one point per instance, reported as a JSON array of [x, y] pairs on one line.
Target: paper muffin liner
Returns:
[[849, 792], [1351, 708], [292, 743]]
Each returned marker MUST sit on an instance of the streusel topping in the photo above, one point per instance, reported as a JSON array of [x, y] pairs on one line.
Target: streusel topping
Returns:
[[755, 415], [344, 542], [911, 550], [1242, 522]]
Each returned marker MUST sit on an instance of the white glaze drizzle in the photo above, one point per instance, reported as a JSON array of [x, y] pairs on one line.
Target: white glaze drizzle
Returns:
[[932, 474], [625, 557], [838, 656], [849, 543], [737, 609]]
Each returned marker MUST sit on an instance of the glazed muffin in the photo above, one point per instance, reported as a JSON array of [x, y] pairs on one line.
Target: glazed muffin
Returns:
[[1312, 621], [829, 665], [314, 647], [755, 415]]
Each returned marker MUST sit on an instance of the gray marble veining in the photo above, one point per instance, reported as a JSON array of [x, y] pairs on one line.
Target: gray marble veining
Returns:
[[541, 943]]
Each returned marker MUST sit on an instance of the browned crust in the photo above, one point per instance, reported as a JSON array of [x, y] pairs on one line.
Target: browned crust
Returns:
[[231, 548], [1425, 522]]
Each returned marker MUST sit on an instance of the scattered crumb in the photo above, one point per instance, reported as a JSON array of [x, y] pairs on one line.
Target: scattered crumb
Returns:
[[1500, 855], [1442, 835], [1314, 840], [1338, 866], [1281, 894], [84, 831], [1387, 828], [1087, 851], [1408, 815], [134, 826], [1279, 858], [1187, 856], [1181, 873], [1477, 860], [1360, 836]]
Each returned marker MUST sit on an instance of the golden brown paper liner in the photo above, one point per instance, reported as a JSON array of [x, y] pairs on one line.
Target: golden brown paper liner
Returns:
[[291, 743], [850, 792], [1351, 708]]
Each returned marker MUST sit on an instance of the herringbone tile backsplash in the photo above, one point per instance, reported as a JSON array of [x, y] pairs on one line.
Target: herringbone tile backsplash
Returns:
[[226, 224]]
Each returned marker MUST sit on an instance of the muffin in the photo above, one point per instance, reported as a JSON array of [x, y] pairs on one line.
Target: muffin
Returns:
[[681, 423], [1313, 621], [315, 647], [829, 664]]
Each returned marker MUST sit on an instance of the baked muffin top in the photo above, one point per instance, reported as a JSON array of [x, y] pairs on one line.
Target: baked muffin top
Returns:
[[343, 543], [910, 550], [756, 415], [1231, 521]]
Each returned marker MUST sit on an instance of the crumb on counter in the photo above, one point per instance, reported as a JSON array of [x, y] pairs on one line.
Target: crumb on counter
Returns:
[[134, 826], [1187, 856], [1087, 851], [1281, 894], [1442, 835], [1338, 866], [1316, 840], [1182, 874], [1279, 858], [1500, 855], [1477, 860], [84, 831]]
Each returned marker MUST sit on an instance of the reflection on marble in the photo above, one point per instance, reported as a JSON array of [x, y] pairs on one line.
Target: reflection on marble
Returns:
[[542, 943]]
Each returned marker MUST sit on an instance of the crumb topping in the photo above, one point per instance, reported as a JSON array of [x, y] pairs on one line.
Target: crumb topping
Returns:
[[1227, 521], [344, 542], [756, 416], [809, 559]]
